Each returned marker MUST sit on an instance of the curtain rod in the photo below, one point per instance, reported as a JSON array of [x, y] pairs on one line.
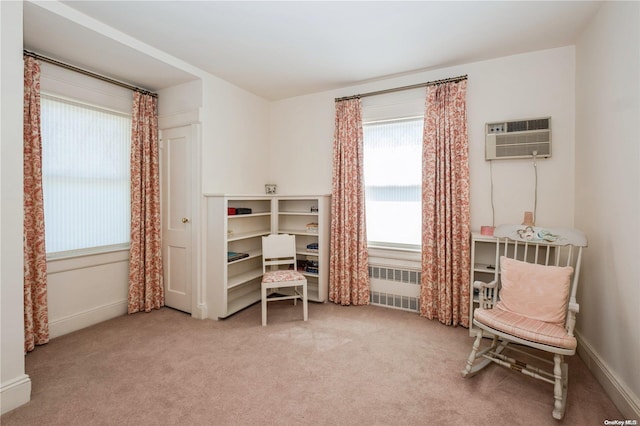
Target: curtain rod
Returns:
[[89, 73], [398, 89]]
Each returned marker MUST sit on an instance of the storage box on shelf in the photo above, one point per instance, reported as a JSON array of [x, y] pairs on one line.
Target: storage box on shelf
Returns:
[[233, 252]]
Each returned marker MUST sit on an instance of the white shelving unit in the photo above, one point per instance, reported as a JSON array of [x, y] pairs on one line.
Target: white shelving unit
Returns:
[[294, 215], [483, 268], [232, 286]]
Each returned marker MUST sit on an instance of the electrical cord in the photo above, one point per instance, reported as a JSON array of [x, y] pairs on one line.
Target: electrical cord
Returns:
[[535, 195], [493, 208]]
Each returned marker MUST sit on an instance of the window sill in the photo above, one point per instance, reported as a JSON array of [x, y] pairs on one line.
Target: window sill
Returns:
[[74, 254], [399, 253], [79, 259]]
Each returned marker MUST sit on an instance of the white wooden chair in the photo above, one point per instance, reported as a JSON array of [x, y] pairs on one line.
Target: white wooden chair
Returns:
[[279, 263], [530, 303]]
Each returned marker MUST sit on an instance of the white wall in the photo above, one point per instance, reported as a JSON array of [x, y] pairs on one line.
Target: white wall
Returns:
[[180, 105], [608, 196], [15, 385], [235, 139], [182, 98], [530, 85], [86, 290]]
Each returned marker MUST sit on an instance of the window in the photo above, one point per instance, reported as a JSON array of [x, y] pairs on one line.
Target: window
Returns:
[[85, 174], [393, 182]]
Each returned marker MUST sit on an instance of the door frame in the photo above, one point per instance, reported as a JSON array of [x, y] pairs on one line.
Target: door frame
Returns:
[[191, 120]]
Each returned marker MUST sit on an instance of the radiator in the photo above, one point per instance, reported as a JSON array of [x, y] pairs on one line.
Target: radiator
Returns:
[[397, 288]]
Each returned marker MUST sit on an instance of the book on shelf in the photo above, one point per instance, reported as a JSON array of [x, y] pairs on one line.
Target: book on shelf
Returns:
[[232, 255], [231, 211], [311, 266]]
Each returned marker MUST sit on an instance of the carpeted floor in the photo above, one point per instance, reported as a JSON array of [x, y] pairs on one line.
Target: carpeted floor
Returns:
[[345, 366]]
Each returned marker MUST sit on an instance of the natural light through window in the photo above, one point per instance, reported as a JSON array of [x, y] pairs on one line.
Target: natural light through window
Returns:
[[85, 168], [393, 177]]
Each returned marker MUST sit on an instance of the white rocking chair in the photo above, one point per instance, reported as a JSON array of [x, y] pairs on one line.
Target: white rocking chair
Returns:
[[531, 303]]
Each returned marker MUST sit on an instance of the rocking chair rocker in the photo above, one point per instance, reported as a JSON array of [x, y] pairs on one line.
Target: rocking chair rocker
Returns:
[[530, 303]]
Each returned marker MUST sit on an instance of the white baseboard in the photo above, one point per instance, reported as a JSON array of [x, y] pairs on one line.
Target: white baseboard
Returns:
[[80, 320], [15, 393], [622, 397]]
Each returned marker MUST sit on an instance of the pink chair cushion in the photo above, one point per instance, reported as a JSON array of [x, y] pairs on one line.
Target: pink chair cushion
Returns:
[[525, 328], [282, 276], [534, 291]]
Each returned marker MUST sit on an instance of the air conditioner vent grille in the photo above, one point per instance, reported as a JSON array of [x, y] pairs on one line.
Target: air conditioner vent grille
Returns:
[[522, 138], [525, 125], [523, 150]]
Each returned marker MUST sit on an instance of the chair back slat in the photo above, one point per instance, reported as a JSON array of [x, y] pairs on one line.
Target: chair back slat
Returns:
[[576, 272], [546, 259]]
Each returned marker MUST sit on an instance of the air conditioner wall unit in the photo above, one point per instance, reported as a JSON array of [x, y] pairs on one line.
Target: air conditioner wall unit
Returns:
[[518, 139]]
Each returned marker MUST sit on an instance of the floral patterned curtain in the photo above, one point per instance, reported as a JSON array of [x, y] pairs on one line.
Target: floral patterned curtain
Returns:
[[36, 316], [444, 291], [146, 288], [349, 260]]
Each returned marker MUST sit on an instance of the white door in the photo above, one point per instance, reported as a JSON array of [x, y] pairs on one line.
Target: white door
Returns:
[[176, 216]]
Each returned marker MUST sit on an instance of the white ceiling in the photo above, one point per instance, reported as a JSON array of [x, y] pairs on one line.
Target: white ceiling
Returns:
[[279, 49]]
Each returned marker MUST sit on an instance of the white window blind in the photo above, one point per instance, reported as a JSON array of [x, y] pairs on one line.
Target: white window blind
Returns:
[[85, 167], [393, 182]]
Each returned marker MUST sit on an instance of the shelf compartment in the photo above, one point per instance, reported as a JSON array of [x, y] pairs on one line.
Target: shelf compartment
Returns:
[[313, 293], [242, 296], [248, 226], [297, 232], [243, 278], [297, 223], [298, 213], [241, 216], [298, 206], [252, 254], [246, 235], [484, 267], [258, 206]]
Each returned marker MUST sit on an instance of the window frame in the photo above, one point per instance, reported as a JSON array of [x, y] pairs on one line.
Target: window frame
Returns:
[[387, 245], [95, 250]]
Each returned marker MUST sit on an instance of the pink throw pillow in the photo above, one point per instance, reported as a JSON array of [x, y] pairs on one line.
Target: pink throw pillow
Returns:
[[535, 291]]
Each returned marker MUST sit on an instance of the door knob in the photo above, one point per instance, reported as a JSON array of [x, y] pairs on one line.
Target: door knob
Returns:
[[185, 220]]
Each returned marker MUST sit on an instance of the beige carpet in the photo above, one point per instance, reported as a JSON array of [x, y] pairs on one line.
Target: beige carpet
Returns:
[[345, 366]]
